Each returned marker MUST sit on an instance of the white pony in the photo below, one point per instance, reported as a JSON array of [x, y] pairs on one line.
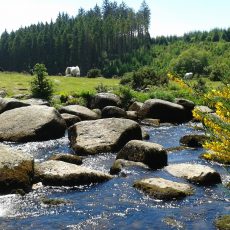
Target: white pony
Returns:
[[72, 71]]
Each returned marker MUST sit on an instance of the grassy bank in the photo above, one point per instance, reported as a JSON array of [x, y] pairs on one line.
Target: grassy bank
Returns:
[[17, 83]]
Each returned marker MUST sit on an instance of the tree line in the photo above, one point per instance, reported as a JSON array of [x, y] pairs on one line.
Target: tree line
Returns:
[[92, 39]]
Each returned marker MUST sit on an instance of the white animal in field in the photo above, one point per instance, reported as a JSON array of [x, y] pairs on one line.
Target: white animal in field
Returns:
[[73, 71], [188, 76]]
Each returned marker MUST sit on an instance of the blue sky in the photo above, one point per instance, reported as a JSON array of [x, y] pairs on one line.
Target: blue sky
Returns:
[[168, 17]]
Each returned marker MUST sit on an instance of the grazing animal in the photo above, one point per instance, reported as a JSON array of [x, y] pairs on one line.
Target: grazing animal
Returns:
[[72, 71], [188, 76]]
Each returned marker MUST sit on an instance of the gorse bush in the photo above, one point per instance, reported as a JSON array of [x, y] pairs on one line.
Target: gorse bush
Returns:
[[143, 78], [41, 86]]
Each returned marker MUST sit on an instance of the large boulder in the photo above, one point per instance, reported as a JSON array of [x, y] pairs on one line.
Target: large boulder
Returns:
[[31, 123], [165, 111], [16, 170], [102, 100], [104, 135], [59, 173], [148, 153], [196, 173], [113, 111], [11, 103], [81, 111], [163, 189]]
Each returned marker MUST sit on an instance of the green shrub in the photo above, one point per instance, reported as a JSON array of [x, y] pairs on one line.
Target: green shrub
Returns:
[[127, 79], [93, 73], [101, 88], [41, 86], [126, 95]]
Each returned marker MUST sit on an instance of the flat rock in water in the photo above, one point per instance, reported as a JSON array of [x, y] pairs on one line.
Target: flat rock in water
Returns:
[[104, 135], [59, 173], [81, 111], [151, 154], [163, 189], [196, 173], [16, 170], [11, 103], [193, 140], [31, 123]]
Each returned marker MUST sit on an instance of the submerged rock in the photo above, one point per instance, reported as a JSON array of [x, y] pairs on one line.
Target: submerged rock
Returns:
[[196, 173], [193, 140], [31, 123], [69, 158], [148, 153], [163, 189], [120, 163], [59, 173], [104, 135], [16, 170], [165, 111], [81, 111]]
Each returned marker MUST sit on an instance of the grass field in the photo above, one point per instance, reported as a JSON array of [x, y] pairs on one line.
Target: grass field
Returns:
[[17, 83]]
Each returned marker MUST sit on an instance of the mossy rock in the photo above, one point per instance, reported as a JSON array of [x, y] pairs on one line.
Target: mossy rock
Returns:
[[223, 222]]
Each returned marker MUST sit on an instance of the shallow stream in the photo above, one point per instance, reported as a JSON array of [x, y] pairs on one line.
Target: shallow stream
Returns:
[[116, 204]]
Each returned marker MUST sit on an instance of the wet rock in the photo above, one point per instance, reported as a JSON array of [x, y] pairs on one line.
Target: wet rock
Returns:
[[104, 135], [196, 173], [151, 122], [11, 103], [132, 115], [70, 119], [59, 173], [170, 221], [136, 106], [193, 140], [223, 222], [113, 111], [148, 153], [16, 170], [120, 163], [55, 201], [31, 123], [145, 134], [102, 100], [163, 189], [80, 111], [69, 158], [165, 111]]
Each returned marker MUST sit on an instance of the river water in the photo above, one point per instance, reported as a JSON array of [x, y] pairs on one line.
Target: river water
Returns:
[[116, 204]]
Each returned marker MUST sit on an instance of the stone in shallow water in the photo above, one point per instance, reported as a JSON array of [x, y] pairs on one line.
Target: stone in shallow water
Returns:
[[59, 173], [223, 222], [163, 189], [69, 158], [104, 135], [196, 173], [16, 170]]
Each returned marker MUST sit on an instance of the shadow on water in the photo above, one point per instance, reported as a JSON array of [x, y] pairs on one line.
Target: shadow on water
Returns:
[[116, 204]]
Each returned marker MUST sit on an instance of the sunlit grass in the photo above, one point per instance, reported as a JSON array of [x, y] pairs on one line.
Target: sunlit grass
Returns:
[[17, 83]]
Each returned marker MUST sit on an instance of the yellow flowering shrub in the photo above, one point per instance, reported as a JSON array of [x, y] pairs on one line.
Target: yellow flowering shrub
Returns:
[[217, 125]]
